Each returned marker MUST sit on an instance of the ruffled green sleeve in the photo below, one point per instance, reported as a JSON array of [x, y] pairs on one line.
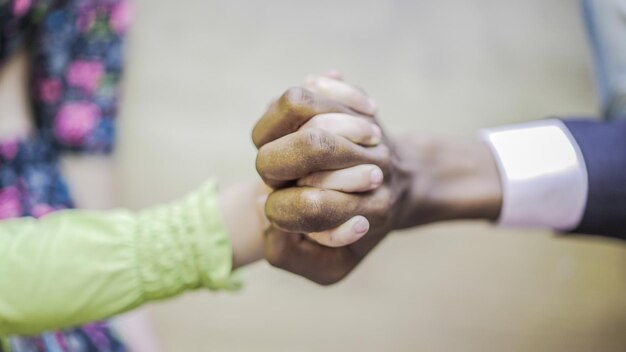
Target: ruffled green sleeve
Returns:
[[74, 266]]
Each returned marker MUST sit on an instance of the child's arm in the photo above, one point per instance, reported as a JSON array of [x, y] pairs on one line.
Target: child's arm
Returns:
[[76, 266]]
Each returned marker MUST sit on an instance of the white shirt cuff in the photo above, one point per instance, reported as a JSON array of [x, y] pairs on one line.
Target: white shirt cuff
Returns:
[[543, 175]]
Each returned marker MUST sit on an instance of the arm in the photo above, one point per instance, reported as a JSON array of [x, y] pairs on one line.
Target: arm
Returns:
[[578, 175], [114, 261]]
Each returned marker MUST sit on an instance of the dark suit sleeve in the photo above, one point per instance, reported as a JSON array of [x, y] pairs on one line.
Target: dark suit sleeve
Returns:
[[603, 147]]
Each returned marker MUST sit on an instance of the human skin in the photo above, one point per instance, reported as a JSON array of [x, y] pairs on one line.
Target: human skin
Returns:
[[426, 179]]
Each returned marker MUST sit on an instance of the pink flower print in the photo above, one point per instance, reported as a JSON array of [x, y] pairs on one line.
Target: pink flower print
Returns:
[[40, 210], [50, 90], [20, 7], [85, 74], [10, 206], [86, 19], [75, 121], [9, 149], [121, 17]]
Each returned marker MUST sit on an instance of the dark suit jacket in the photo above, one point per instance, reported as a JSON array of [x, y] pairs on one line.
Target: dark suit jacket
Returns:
[[603, 146]]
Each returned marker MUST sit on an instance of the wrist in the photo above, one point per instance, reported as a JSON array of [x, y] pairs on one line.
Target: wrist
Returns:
[[450, 180], [244, 220]]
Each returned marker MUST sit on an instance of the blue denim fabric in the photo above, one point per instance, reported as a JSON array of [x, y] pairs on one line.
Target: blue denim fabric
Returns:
[[605, 21]]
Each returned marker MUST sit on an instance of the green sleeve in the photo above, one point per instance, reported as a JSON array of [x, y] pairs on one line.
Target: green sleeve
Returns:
[[73, 266]]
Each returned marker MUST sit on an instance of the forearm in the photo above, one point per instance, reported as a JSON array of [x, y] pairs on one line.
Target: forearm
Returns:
[[451, 180], [73, 267], [565, 175]]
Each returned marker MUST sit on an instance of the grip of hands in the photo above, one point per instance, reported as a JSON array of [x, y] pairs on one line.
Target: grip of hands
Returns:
[[336, 178]]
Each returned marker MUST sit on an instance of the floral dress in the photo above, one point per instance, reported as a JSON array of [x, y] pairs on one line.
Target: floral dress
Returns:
[[75, 48]]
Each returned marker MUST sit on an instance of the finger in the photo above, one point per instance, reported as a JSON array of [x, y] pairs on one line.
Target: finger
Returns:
[[260, 205], [360, 178], [304, 152], [307, 209], [334, 74], [342, 92], [296, 254], [347, 233], [357, 129], [294, 108]]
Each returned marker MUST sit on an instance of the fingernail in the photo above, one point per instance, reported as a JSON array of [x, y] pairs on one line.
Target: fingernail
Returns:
[[376, 176], [361, 226], [377, 135]]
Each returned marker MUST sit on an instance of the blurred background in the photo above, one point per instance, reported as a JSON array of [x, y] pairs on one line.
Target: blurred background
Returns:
[[201, 72]]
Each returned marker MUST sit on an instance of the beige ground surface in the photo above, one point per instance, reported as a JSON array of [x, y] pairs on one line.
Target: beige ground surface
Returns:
[[201, 72]]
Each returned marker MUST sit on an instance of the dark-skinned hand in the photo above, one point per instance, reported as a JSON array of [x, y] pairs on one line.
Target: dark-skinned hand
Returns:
[[313, 156]]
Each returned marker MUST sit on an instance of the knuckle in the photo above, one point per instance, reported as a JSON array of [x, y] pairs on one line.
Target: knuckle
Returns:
[[295, 98], [259, 161], [273, 209], [260, 132], [311, 204], [299, 211], [257, 139], [320, 143], [271, 173], [261, 164]]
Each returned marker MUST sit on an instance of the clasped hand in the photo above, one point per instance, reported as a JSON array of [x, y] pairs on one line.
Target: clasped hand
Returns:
[[337, 179]]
